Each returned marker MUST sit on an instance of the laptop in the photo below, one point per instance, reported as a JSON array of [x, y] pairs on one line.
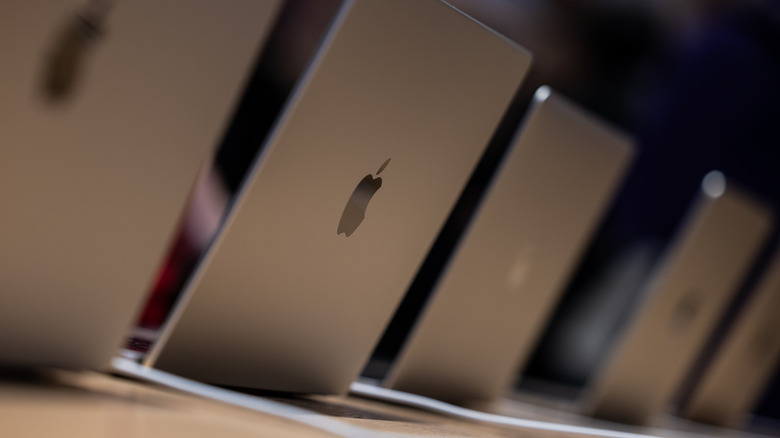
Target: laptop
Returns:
[[344, 201], [706, 263], [505, 275], [733, 381], [108, 110]]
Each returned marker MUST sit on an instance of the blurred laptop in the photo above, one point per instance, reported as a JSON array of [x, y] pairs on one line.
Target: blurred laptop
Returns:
[[514, 259], [733, 381], [344, 202], [703, 268], [108, 110]]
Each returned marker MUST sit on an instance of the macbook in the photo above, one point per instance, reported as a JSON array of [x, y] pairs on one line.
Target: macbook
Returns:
[[345, 200], [108, 110], [744, 363], [706, 263], [506, 273]]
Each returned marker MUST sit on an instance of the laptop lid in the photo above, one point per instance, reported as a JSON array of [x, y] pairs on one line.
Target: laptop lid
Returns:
[[706, 262], [108, 110], [345, 200], [746, 360], [507, 271]]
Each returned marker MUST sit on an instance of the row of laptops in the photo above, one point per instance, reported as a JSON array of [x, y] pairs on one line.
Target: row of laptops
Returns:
[[338, 212]]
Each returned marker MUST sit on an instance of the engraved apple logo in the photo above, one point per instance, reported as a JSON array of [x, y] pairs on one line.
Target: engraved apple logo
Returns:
[[355, 210]]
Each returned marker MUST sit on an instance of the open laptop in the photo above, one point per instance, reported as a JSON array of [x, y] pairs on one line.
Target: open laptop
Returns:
[[507, 271], [732, 383], [344, 202], [108, 110], [701, 271]]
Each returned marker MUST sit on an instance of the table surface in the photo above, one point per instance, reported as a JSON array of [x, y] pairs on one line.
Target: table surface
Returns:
[[88, 404]]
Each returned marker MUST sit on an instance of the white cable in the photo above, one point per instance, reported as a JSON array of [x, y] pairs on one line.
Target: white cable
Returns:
[[429, 404], [299, 415]]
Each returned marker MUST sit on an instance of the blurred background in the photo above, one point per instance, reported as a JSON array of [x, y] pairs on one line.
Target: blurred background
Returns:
[[697, 82]]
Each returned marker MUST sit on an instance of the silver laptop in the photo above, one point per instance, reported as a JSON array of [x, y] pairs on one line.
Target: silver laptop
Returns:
[[515, 258], [701, 271], [345, 200], [107, 111], [733, 382]]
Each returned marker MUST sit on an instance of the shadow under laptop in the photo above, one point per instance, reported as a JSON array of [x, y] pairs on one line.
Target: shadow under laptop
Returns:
[[41, 384], [332, 406]]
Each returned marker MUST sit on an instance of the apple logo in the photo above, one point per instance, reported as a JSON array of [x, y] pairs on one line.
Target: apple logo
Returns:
[[685, 311], [355, 210], [68, 55]]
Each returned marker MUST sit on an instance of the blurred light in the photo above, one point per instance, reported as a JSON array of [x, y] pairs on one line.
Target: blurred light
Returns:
[[714, 184], [542, 93]]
